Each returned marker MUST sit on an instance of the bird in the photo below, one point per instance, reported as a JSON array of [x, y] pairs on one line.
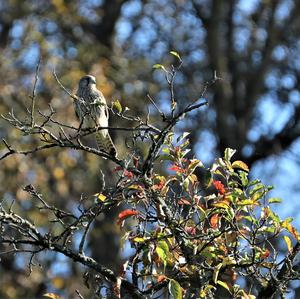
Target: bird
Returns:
[[91, 110]]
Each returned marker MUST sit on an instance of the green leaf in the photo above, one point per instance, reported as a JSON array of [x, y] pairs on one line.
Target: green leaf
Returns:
[[162, 255], [229, 152], [163, 245], [174, 53], [244, 178], [159, 66], [275, 200], [118, 106], [175, 289], [224, 285]]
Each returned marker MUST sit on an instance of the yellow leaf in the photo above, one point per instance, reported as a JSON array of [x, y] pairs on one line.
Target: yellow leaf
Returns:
[[51, 295], [216, 273], [288, 243], [174, 53], [138, 240], [240, 165], [118, 106], [100, 196], [221, 204]]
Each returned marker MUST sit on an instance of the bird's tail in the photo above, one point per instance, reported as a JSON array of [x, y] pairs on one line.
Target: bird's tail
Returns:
[[105, 143]]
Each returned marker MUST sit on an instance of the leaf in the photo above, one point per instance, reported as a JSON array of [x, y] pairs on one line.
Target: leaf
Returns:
[[162, 255], [138, 240], [214, 221], [244, 178], [161, 278], [51, 295], [125, 214], [100, 196], [175, 289], [182, 136], [288, 243], [221, 204], [229, 152], [216, 273], [224, 285], [287, 225], [275, 200], [164, 246], [159, 66], [193, 164], [174, 53], [240, 165], [118, 106]]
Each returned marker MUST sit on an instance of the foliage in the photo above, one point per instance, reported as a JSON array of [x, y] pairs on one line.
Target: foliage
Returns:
[[194, 232]]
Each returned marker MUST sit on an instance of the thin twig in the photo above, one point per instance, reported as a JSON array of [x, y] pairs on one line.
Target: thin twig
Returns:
[[33, 96]]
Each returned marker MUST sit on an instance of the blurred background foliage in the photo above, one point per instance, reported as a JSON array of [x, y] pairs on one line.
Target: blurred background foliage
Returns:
[[252, 45]]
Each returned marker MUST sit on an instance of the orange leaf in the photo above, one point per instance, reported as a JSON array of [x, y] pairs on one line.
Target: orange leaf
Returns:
[[214, 221], [161, 278], [219, 186], [184, 201]]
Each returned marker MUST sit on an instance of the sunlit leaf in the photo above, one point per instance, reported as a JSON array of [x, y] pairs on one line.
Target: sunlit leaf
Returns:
[[174, 53], [100, 196], [159, 66], [221, 204], [182, 136], [193, 164], [240, 165], [175, 289], [162, 255], [229, 152], [216, 273], [287, 225], [138, 240], [117, 105], [275, 200], [288, 243], [52, 296]]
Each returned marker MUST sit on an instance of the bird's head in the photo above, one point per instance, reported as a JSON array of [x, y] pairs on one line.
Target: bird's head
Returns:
[[87, 81]]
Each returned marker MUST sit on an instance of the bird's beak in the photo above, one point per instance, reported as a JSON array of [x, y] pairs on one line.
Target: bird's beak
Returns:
[[93, 81]]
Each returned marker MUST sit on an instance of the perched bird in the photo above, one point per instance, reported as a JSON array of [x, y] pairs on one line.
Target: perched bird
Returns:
[[91, 110]]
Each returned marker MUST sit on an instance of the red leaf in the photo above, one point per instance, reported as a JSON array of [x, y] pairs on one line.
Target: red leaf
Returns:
[[128, 174], [266, 254], [176, 168], [125, 214], [190, 230]]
